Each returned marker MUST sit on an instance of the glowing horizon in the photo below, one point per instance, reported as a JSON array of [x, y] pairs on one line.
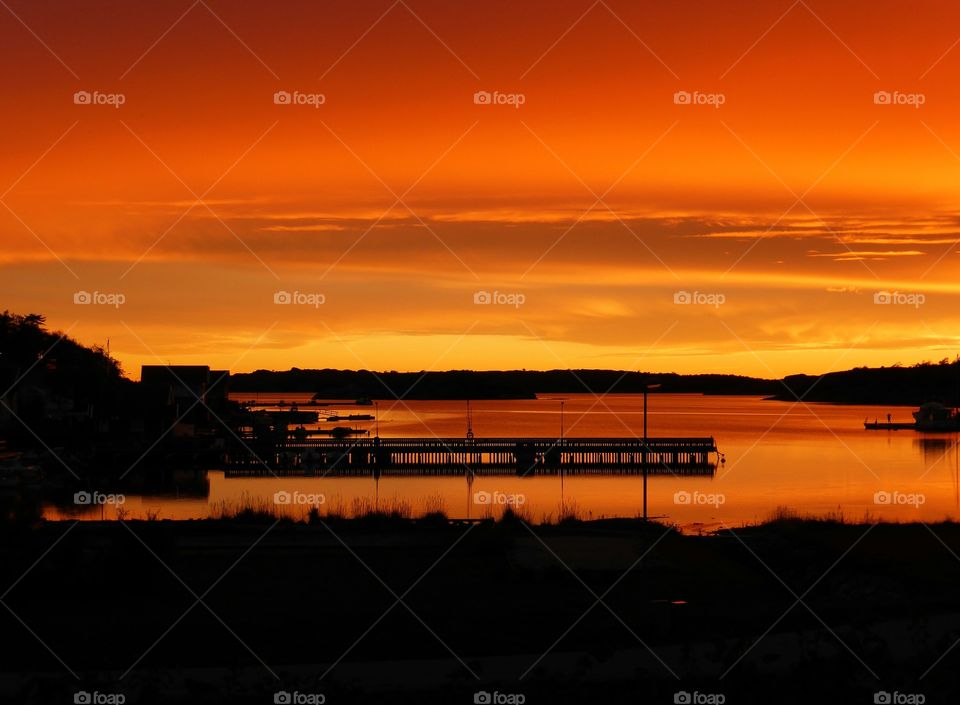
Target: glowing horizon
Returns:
[[792, 174]]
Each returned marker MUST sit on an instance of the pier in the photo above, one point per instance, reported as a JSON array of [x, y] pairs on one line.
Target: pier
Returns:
[[480, 456]]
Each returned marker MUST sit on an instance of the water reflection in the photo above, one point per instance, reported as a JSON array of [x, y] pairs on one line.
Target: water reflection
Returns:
[[934, 445], [815, 459]]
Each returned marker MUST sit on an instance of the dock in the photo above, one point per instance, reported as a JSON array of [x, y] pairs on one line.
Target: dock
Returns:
[[480, 456], [889, 426]]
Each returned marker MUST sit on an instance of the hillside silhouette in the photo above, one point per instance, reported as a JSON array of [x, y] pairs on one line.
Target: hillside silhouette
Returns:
[[41, 366], [894, 385], [507, 384], [910, 386]]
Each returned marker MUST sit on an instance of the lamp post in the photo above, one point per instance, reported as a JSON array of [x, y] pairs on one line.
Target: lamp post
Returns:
[[646, 388], [376, 405]]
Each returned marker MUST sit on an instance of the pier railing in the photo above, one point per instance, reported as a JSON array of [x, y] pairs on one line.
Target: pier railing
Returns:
[[459, 456]]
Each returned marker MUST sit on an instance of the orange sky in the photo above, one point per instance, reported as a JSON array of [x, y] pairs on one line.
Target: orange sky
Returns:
[[793, 203]]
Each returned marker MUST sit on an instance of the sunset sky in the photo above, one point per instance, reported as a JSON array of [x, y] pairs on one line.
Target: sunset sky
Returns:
[[618, 186]]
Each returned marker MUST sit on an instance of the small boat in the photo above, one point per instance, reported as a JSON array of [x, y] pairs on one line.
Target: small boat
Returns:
[[352, 417], [934, 416], [343, 432]]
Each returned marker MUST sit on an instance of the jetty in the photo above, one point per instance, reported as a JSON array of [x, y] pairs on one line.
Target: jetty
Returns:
[[931, 417], [889, 426], [480, 456]]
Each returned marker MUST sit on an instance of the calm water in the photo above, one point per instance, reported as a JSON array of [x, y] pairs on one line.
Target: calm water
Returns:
[[814, 459]]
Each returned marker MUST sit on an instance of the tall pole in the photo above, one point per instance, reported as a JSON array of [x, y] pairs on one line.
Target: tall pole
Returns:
[[560, 455], [376, 404], [561, 421], [644, 416], [644, 456]]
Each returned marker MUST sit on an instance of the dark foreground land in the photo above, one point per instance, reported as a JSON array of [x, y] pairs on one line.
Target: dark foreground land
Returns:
[[383, 610]]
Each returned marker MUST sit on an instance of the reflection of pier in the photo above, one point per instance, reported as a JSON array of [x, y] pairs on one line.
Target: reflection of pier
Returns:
[[459, 456]]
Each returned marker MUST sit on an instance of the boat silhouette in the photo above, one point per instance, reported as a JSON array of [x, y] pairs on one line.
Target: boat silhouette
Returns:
[[932, 417]]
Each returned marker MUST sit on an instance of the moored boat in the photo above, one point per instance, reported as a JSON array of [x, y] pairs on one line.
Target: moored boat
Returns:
[[934, 416]]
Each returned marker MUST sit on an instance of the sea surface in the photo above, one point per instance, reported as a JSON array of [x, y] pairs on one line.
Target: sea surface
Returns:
[[811, 459]]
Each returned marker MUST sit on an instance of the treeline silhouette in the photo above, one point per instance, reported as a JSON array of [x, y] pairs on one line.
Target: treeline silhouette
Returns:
[[911, 386], [468, 384], [894, 385], [40, 364]]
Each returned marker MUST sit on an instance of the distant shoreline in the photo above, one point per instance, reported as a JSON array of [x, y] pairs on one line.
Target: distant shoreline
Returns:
[[881, 386]]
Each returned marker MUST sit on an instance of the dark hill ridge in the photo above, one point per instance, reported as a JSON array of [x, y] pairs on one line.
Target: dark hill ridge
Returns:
[[910, 386], [88, 380], [467, 384], [882, 385], [40, 363]]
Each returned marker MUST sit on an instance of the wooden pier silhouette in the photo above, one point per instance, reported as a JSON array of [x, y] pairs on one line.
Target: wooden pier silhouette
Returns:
[[480, 456]]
